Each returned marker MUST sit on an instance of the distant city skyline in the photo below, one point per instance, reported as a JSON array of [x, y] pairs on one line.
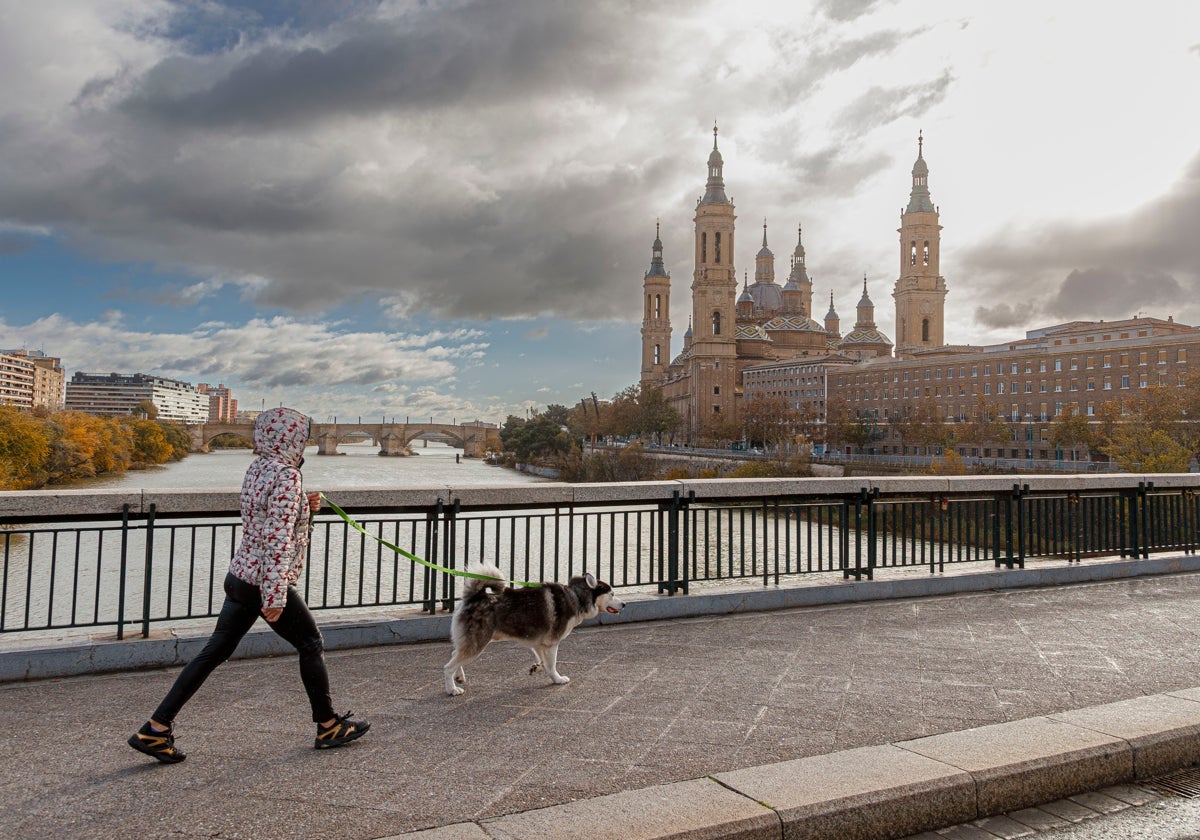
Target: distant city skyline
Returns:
[[446, 209]]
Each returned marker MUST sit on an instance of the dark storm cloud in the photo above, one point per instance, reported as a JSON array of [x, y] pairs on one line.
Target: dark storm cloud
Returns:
[[481, 54], [1146, 259], [1113, 293]]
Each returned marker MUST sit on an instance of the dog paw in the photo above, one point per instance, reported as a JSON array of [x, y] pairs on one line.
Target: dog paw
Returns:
[[454, 692], [560, 680], [533, 669]]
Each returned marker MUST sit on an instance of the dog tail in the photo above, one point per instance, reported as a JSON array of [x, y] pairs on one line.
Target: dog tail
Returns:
[[474, 586]]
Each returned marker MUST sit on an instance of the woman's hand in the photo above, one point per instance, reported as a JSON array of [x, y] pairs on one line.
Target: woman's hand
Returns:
[[272, 615], [314, 502]]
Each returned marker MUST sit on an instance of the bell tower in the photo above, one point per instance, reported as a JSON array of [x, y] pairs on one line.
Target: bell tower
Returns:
[[920, 292], [656, 318], [714, 293]]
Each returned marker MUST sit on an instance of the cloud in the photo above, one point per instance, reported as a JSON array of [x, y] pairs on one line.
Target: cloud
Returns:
[[1113, 293], [1004, 315], [1144, 260], [260, 354]]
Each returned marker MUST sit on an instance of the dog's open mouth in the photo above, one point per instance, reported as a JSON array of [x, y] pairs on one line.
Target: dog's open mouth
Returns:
[[612, 610]]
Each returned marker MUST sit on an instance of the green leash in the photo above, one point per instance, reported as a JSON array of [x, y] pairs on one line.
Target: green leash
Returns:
[[457, 573]]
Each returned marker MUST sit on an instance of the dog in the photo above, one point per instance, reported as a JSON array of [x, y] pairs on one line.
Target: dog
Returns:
[[538, 617]]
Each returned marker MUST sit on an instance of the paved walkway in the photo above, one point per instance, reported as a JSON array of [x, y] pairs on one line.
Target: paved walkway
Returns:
[[649, 703]]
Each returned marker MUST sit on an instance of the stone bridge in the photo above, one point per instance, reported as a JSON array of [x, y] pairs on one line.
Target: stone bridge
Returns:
[[391, 438]]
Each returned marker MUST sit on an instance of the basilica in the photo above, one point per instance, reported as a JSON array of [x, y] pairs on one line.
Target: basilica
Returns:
[[766, 323]]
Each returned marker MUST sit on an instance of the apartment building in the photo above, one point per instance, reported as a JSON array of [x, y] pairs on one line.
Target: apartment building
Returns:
[[116, 394], [222, 407], [16, 381]]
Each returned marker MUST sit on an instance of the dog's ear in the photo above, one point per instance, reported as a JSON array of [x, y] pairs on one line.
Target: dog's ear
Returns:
[[590, 580]]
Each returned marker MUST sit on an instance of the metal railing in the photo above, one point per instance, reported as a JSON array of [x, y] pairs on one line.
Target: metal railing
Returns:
[[109, 560]]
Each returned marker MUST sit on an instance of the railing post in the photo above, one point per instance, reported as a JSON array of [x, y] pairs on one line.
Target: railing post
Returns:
[[865, 499], [149, 572], [1143, 516], [674, 510], [1019, 492], [433, 518], [121, 582], [1074, 526], [449, 544]]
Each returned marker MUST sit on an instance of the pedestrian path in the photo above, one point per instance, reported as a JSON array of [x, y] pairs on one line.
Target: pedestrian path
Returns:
[[656, 711]]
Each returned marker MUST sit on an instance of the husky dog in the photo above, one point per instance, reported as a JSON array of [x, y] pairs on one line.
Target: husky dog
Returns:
[[538, 617]]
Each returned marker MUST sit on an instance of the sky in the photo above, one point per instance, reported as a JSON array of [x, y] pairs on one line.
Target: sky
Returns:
[[446, 209]]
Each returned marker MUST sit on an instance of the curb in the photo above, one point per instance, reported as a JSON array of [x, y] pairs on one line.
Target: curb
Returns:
[[96, 656], [894, 790]]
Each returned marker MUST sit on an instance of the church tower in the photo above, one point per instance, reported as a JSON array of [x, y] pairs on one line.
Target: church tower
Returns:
[[920, 292], [714, 292], [656, 318]]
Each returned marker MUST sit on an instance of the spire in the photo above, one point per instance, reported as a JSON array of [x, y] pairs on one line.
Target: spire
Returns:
[[832, 313], [919, 200], [714, 190], [866, 300], [764, 231], [657, 269]]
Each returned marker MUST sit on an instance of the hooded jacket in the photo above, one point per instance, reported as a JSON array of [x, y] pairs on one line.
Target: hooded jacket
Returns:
[[274, 508]]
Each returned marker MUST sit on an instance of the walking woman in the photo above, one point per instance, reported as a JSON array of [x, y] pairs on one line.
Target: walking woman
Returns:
[[276, 521]]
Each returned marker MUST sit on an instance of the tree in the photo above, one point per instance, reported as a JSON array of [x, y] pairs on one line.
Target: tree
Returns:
[[1071, 430], [557, 413], [925, 427], [24, 449], [1142, 433], [987, 424], [146, 409], [656, 417], [149, 442], [767, 420]]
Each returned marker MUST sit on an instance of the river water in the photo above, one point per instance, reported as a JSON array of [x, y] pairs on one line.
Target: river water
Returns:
[[360, 467]]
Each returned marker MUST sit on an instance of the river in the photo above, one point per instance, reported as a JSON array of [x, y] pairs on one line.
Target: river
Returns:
[[360, 467]]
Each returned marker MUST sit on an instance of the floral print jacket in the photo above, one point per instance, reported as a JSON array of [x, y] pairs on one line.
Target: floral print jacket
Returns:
[[274, 508]]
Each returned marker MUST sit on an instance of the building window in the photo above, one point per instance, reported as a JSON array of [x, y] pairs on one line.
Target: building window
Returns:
[[1107, 360], [925, 257], [1124, 381], [716, 390], [924, 329], [717, 248], [1182, 355], [716, 409], [716, 323], [658, 306], [656, 354], [912, 253], [703, 247]]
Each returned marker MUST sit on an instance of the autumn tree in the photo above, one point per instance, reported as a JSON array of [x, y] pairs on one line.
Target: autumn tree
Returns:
[[24, 449], [1142, 433], [1071, 430]]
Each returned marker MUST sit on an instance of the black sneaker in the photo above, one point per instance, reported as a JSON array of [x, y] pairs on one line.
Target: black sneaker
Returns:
[[341, 731], [160, 745]]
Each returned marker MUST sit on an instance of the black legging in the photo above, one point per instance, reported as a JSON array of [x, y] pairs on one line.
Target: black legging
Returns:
[[243, 606]]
